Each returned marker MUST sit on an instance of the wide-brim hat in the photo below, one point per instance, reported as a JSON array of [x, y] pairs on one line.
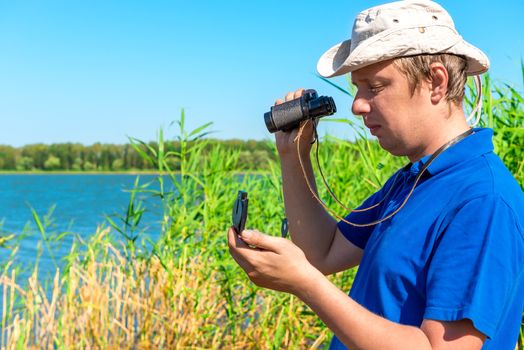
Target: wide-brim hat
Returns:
[[400, 29]]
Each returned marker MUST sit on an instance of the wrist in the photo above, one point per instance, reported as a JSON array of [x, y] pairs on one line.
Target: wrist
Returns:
[[311, 278], [292, 158]]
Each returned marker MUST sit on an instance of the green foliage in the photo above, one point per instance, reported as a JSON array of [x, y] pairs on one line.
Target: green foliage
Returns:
[[118, 164], [503, 111], [7, 157], [77, 164], [197, 182], [88, 166], [129, 157], [197, 205], [52, 163], [24, 163]]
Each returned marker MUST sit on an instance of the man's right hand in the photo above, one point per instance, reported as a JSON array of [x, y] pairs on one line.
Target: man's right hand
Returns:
[[285, 141]]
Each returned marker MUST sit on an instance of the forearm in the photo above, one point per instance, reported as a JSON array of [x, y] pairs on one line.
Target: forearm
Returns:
[[312, 228], [354, 325]]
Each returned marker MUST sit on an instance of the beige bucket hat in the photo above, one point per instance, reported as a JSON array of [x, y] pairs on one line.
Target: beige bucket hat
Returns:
[[399, 29]]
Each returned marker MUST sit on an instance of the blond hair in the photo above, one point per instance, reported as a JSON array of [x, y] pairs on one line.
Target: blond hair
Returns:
[[417, 68]]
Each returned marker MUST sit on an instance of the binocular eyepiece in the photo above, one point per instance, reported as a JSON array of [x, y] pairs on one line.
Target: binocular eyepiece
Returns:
[[288, 115]]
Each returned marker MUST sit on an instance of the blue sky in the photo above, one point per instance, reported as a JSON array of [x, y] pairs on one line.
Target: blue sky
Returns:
[[103, 70]]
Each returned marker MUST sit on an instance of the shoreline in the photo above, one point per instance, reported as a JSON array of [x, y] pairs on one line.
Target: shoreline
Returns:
[[63, 172]]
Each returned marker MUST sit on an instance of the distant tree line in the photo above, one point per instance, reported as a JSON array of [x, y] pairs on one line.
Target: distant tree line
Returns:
[[254, 155]]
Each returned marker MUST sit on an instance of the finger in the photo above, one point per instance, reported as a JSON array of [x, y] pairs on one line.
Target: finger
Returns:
[[234, 240], [240, 246], [261, 241], [290, 96], [307, 132], [236, 247], [293, 135], [309, 127], [279, 102], [298, 93]]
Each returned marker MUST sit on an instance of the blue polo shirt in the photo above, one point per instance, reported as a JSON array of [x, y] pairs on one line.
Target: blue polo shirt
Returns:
[[454, 251]]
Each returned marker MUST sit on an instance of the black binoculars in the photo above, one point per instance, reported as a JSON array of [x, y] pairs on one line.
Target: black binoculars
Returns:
[[288, 115]]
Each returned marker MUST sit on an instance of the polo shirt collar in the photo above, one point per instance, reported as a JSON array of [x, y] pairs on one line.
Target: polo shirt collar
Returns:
[[476, 144]]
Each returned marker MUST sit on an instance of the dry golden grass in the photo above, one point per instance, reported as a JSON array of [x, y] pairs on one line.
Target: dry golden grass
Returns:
[[190, 294], [140, 304]]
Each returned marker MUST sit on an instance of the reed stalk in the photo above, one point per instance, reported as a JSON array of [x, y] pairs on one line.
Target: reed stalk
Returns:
[[184, 291]]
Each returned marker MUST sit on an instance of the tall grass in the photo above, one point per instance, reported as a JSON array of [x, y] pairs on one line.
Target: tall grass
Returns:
[[184, 290], [107, 302]]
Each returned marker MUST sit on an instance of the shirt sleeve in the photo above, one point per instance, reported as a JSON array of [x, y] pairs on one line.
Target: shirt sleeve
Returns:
[[476, 263], [359, 236]]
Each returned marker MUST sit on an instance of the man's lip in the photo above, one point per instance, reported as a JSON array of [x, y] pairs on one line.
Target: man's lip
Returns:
[[372, 127]]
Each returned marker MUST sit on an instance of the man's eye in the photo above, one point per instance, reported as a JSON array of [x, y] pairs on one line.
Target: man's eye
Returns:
[[375, 89]]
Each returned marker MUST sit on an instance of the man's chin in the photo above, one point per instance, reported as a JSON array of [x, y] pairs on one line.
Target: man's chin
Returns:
[[394, 149]]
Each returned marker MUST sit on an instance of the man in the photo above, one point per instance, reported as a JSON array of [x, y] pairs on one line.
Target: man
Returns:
[[441, 245]]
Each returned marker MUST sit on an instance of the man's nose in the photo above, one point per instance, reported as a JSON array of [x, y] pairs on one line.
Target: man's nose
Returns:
[[360, 105]]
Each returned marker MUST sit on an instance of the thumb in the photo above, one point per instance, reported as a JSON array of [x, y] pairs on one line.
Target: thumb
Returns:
[[260, 240]]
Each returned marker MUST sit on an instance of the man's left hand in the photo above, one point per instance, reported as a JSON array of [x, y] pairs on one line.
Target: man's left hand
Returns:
[[271, 262]]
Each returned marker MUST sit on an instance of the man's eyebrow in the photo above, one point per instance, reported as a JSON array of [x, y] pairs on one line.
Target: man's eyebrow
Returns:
[[376, 78], [359, 80]]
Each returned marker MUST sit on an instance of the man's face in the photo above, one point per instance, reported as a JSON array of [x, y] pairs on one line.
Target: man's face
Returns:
[[399, 119]]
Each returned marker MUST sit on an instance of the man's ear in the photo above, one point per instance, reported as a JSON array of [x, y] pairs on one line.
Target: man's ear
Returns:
[[439, 82]]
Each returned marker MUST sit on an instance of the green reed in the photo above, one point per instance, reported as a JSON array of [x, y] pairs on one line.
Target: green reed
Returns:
[[184, 290]]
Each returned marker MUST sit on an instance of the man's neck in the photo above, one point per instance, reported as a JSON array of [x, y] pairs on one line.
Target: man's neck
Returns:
[[442, 132]]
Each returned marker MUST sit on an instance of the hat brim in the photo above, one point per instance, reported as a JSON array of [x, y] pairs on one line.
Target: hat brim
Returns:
[[331, 63], [339, 59], [478, 62]]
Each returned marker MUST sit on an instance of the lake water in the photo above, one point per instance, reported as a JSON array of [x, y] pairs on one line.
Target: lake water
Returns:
[[80, 204]]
